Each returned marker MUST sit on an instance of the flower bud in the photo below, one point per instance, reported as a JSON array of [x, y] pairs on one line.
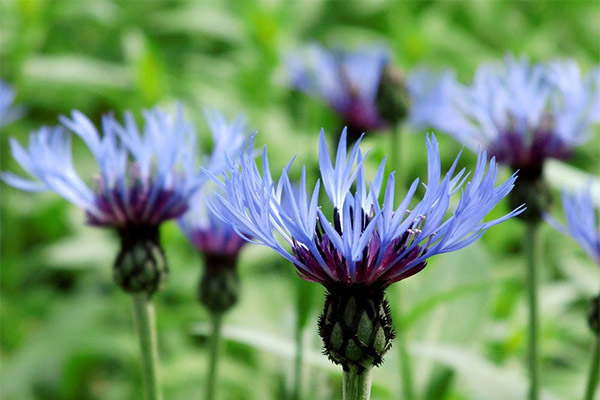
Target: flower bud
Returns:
[[219, 287], [356, 326], [141, 265], [393, 99], [531, 189]]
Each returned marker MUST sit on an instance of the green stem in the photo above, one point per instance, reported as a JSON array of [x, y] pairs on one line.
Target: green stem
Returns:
[[215, 344], [405, 361], [146, 328], [530, 251], [357, 385], [594, 377]]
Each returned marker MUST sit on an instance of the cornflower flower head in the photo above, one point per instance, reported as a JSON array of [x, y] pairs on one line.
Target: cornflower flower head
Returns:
[[522, 113], [145, 179], [583, 225], [217, 240], [583, 221], [8, 112], [360, 85], [366, 245]]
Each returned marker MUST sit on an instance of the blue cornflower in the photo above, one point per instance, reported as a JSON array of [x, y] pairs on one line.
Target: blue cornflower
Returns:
[[348, 81], [583, 222], [8, 113], [366, 245], [144, 179], [522, 113], [204, 230], [366, 242]]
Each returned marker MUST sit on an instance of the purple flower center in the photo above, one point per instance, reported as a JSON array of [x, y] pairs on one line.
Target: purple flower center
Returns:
[[529, 151], [139, 203], [369, 270]]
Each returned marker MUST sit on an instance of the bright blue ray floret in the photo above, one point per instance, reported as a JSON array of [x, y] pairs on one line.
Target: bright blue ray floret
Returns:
[[366, 242]]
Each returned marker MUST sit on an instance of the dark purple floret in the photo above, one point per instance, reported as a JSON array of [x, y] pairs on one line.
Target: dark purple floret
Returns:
[[361, 117], [216, 242], [367, 272], [524, 153], [139, 204]]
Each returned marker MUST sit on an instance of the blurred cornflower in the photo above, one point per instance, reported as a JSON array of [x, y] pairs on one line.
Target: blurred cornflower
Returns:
[[583, 221], [361, 85], [8, 112], [522, 113], [144, 180], [583, 225], [366, 246], [216, 240]]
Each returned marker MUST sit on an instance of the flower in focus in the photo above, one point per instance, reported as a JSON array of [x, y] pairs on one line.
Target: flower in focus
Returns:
[[144, 180], [522, 113], [351, 83], [217, 240], [583, 222], [365, 246], [8, 113]]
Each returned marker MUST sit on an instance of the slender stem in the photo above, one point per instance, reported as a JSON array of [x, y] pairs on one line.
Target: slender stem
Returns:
[[146, 328], [405, 361], [298, 363], [594, 377], [530, 250], [357, 385], [215, 344]]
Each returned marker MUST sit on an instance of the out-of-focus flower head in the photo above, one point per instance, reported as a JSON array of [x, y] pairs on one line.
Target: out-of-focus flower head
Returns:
[[522, 113], [347, 80], [365, 242], [145, 177], [8, 112], [204, 230], [583, 221]]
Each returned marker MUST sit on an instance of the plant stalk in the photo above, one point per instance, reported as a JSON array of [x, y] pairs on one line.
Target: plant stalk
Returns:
[[357, 385], [146, 329], [215, 344], [594, 375], [531, 255]]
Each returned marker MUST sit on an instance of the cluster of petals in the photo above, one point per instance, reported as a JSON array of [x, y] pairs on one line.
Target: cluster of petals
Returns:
[[366, 242], [144, 177], [583, 221], [202, 228], [348, 80], [522, 113]]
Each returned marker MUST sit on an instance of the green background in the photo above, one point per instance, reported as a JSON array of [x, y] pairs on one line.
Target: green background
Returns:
[[66, 331]]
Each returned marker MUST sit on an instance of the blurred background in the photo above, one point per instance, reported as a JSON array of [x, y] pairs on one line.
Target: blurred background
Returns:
[[66, 331]]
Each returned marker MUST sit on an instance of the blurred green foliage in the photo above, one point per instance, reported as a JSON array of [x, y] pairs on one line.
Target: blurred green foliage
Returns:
[[66, 332]]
